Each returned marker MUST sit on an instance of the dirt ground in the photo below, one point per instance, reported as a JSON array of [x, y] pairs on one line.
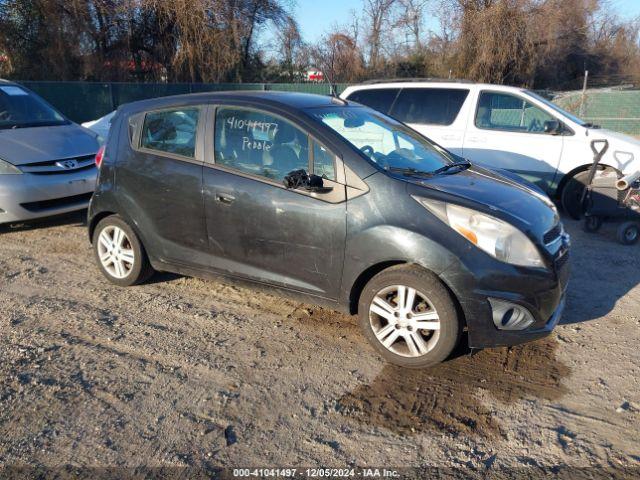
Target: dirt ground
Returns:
[[183, 372]]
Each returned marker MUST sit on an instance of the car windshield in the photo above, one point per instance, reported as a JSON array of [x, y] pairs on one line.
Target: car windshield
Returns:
[[21, 109], [387, 142], [559, 110]]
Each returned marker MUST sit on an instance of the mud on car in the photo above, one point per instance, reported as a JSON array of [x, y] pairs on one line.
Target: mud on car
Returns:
[[333, 201]]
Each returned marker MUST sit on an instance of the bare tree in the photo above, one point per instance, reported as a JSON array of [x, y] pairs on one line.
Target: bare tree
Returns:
[[377, 14], [290, 46], [338, 56]]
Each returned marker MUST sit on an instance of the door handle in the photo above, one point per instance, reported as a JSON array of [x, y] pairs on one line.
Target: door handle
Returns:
[[477, 139], [225, 198], [453, 138]]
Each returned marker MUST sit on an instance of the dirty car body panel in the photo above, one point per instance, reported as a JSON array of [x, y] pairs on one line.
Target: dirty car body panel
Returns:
[[196, 215]]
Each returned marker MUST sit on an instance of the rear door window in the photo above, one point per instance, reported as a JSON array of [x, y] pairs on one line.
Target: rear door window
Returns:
[[429, 106], [171, 131], [380, 99]]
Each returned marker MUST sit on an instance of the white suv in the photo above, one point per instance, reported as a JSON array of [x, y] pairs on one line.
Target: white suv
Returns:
[[503, 127]]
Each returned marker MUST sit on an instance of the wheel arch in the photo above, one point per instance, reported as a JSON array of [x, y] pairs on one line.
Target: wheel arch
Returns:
[[582, 168], [373, 270], [95, 220]]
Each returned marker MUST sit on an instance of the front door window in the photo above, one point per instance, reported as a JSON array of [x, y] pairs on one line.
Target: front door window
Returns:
[[510, 113], [259, 144]]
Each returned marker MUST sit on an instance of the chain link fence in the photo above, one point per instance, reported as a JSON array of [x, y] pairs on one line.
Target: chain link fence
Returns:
[[617, 110]]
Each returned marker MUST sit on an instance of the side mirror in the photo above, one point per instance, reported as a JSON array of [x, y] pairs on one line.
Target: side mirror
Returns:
[[300, 179], [552, 127]]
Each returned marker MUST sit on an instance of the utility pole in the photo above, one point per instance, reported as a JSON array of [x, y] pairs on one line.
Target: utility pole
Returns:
[[584, 92]]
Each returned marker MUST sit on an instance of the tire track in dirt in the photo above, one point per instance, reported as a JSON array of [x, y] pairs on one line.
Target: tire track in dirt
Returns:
[[444, 398]]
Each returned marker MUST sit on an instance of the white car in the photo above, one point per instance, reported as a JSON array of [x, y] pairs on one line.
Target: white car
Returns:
[[100, 126], [504, 127]]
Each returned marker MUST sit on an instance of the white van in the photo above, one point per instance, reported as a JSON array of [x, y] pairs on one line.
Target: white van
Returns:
[[503, 127]]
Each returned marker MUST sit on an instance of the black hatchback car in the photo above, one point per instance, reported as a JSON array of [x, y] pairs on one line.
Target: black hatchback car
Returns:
[[335, 201]]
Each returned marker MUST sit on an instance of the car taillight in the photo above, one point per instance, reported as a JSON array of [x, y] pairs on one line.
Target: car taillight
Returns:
[[99, 156]]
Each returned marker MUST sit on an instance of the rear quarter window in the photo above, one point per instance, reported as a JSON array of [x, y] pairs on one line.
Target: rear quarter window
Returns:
[[430, 106], [380, 99]]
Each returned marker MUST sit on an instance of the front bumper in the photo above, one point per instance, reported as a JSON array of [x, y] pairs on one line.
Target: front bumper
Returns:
[[542, 293], [30, 196]]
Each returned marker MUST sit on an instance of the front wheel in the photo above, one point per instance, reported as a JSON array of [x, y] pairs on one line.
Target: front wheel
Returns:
[[571, 197], [119, 252], [409, 317]]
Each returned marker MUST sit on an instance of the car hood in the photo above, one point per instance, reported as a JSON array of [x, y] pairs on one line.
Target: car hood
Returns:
[[617, 136], [40, 144], [494, 194]]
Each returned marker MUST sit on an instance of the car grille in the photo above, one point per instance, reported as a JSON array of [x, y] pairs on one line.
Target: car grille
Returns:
[[56, 167], [553, 234], [55, 203]]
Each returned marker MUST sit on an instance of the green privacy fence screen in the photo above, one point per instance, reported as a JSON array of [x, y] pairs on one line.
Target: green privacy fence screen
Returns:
[[83, 101], [615, 110]]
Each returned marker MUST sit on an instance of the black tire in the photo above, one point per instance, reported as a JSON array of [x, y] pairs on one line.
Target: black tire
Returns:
[[428, 285], [571, 196], [140, 269], [628, 233], [592, 224]]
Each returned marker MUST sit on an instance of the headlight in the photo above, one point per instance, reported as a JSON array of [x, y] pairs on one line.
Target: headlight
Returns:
[[8, 169], [499, 239]]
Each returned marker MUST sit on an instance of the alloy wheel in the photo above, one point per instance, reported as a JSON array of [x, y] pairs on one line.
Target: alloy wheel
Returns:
[[116, 252], [404, 321]]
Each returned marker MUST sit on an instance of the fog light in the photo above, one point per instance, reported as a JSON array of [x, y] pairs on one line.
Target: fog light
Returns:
[[510, 316]]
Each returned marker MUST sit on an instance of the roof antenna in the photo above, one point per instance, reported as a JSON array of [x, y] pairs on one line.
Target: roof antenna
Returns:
[[333, 93]]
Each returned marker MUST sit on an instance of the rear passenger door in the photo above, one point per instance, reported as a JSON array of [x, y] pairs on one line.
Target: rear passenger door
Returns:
[[159, 182], [258, 229], [435, 113]]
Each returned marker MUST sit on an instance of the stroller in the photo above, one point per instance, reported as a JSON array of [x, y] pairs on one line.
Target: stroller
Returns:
[[607, 197]]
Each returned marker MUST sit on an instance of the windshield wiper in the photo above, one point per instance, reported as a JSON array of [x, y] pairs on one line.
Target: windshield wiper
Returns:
[[410, 172], [463, 165]]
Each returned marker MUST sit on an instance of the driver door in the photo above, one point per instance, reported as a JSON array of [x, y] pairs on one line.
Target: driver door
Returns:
[[507, 131], [257, 228]]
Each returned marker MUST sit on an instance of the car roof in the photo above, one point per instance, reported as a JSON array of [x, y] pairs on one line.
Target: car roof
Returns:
[[427, 82], [284, 100]]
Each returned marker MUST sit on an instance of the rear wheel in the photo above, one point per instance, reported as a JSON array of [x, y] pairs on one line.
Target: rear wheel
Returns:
[[571, 197], [409, 317], [628, 233], [119, 253]]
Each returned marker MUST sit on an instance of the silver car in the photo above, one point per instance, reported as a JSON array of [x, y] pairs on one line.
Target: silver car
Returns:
[[47, 162]]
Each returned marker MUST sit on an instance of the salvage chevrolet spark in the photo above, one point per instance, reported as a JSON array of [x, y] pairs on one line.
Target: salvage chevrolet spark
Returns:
[[336, 202]]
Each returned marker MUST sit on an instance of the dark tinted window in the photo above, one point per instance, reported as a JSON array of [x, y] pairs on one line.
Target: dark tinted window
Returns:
[[378, 99], [171, 131], [431, 106]]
